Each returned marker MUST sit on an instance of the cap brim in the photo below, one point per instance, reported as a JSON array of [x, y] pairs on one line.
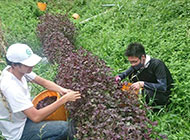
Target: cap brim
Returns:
[[32, 60]]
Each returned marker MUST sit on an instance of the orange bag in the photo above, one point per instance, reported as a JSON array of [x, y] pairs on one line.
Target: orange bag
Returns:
[[127, 88], [60, 114]]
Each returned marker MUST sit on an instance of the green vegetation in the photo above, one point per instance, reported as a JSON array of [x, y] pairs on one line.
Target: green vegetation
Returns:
[[161, 26]]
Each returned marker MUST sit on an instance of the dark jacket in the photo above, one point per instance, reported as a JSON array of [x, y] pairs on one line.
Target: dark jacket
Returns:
[[155, 75]]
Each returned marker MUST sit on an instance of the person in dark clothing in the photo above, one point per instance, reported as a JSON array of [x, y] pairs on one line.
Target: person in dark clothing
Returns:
[[149, 74]]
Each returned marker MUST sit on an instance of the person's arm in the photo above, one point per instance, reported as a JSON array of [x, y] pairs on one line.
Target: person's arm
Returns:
[[38, 115], [161, 85], [124, 74], [50, 85]]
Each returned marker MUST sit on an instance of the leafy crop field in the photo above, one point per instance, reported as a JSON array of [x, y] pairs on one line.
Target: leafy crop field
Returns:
[[105, 28]]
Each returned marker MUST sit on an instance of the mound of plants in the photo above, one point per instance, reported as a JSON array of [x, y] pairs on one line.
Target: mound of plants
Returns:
[[55, 32], [54, 24], [104, 111]]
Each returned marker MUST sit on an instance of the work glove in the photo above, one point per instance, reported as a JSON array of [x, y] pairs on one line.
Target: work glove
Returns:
[[117, 79]]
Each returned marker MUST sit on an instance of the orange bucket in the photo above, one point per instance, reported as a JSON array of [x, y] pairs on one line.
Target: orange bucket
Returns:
[[60, 114], [42, 6]]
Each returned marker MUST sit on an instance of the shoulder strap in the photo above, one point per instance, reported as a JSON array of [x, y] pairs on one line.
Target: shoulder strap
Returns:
[[6, 104]]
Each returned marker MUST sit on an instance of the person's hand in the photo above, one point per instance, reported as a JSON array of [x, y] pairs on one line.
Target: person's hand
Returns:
[[117, 79], [72, 95], [137, 85], [64, 91]]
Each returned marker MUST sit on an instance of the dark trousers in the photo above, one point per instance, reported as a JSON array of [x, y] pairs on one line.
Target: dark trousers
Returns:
[[156, 98]]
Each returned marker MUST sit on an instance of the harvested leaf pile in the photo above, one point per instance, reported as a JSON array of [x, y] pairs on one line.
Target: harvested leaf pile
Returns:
[[46, 101]]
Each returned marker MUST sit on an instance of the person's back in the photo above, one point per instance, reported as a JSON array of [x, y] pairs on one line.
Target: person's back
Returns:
[[147, 74]]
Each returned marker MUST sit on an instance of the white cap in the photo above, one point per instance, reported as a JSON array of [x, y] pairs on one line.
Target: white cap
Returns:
[[22, 53]]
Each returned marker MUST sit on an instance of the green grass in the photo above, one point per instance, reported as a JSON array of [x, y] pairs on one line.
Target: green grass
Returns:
[[161, 26]]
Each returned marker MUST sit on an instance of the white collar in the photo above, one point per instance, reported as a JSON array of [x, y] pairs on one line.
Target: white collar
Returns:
[[147, 61]]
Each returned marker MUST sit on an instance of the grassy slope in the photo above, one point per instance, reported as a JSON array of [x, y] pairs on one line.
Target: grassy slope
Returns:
[[162, 26]]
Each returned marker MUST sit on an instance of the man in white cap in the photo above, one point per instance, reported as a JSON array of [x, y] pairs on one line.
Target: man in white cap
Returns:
[[19, 119]]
